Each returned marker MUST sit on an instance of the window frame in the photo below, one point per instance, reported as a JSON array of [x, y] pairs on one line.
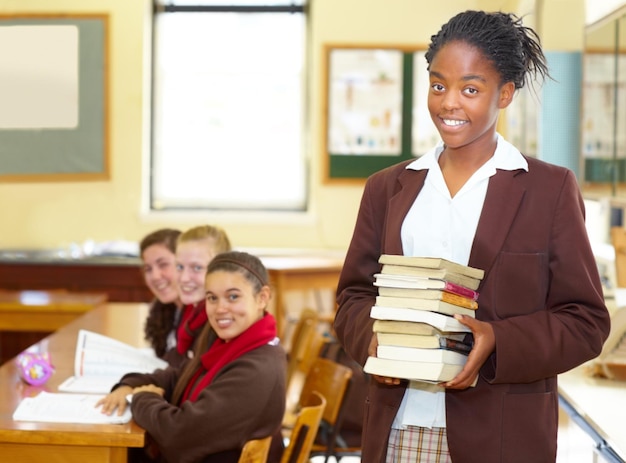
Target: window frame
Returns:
[[255, 211]]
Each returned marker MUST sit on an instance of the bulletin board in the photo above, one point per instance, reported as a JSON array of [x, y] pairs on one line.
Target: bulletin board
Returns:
[[54, 88], [372, 115]]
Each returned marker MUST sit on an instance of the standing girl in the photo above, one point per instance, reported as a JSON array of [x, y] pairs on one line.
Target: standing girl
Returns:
[[233, 389], [476, 200]]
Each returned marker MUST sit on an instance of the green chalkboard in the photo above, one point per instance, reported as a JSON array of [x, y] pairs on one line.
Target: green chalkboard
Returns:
[[61, 153]]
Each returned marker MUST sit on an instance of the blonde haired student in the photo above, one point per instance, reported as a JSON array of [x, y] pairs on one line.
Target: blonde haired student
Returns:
[[195, 248]]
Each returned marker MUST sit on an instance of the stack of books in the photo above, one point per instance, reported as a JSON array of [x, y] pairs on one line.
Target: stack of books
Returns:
[[418, 336]]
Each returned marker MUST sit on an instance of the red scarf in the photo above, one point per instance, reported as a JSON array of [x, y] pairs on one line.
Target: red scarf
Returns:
[[192, 320], [222, 353]]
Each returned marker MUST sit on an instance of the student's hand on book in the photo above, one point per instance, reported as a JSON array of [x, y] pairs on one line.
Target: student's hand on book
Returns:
[[371, 351], [484, 345], [116, 400], [150, 388]]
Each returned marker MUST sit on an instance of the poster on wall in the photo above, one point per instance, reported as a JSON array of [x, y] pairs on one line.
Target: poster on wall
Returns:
[[365, 102]]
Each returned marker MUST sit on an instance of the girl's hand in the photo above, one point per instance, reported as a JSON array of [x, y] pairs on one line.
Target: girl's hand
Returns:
[[371, 351], [115, 400], [484, 345]]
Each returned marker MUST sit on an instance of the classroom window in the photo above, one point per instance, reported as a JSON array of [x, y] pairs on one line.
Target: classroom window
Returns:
[[228, 106]]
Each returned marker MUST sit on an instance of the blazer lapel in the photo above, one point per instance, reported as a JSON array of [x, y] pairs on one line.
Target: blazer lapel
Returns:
[[504, 195], [410, 182]]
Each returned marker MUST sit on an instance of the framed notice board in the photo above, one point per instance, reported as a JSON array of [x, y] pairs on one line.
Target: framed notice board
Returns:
[[375, 112], [53, 88]]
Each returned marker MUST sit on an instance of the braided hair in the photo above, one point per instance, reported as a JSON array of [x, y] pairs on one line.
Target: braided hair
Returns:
[[513, 49]]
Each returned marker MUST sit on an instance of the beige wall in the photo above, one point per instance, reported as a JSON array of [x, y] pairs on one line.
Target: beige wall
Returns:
[[36, 215]]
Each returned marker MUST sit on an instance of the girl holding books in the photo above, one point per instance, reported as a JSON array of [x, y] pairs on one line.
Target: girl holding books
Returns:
[[476, 200], [233, 389]]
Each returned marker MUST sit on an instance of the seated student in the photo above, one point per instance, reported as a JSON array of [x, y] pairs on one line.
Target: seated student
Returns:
[[232, 391], [194, 250], [158, 255]]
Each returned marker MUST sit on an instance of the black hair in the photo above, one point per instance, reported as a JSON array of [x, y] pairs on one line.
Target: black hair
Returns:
[[514, 49]]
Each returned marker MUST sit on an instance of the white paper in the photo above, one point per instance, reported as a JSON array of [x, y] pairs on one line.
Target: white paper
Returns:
[[89, 384], [100, 362], [66, 408]]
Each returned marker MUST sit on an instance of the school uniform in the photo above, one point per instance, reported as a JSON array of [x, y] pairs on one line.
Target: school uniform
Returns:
[[245, 400], [541, 291]]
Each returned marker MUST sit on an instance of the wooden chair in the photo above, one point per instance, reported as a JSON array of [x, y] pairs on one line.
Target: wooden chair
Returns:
[[618, 240], [305, 347], [256, 450], [329, 441], [300, 340], [331, 380], [305, 430]]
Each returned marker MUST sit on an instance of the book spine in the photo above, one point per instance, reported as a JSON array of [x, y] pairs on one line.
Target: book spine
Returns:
[[454, 345], [460, 290], [461, 301]]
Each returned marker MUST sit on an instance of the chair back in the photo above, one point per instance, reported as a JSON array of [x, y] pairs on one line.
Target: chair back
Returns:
[[305, 430], [301, 339], [331, 379], [618, 240], [305, 348], [256, 450]]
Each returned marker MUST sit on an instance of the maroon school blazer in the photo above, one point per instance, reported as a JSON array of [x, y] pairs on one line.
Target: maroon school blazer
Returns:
[[541, 292]]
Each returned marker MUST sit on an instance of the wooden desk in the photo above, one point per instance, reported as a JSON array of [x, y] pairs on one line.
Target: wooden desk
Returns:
[[299, 273], [598, 406], [29, 442], [45, 311], [28, 316]]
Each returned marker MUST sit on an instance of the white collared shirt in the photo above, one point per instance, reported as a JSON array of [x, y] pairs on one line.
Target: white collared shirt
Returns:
[[438, 225]]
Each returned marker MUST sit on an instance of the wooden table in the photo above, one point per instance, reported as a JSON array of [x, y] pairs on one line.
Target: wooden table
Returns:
[[45, 311], [299, 273], [28, 316], [598, 406], [30, 442]]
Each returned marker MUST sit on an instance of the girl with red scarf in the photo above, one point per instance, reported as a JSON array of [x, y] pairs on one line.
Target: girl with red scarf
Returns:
[[194, 250], [233, 389]]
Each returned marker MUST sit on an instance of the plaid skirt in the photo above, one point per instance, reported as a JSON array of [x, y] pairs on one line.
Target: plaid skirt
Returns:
[[418, 445]]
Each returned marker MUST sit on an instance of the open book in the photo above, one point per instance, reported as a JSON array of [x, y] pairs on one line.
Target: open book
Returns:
[[66, 408], [100, 362]]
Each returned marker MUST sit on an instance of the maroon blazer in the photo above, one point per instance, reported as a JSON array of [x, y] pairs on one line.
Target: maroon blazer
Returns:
[[541, 292]]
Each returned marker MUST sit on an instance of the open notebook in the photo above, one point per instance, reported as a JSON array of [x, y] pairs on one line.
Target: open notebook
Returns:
[[66, 408], [100, 362]]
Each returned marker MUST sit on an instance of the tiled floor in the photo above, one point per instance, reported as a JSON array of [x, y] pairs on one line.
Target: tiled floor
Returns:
[[574, 445]]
